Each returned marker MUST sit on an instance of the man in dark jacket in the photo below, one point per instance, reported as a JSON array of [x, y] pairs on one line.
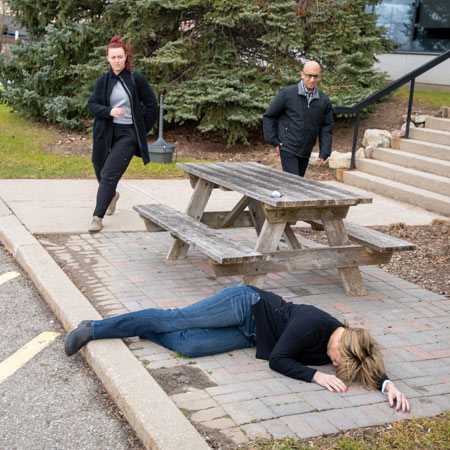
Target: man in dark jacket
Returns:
[[295, 117]]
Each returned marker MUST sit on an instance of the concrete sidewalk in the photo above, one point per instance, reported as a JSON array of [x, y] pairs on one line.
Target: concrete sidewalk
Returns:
[[234, 395], [66, 206]]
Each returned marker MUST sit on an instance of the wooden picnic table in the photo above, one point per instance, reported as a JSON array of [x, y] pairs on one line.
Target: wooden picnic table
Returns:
[[321, 205]]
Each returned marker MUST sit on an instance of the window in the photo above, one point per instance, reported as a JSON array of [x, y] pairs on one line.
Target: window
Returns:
[[417, 25], [433, 26]]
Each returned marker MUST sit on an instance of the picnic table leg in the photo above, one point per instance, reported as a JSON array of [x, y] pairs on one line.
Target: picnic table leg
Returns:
[[257, 215], [268, 241], [351, 276], [195, 209], [291, 237]]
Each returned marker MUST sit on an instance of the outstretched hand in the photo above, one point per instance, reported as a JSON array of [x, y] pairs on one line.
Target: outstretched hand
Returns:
[[397, 398], [330, 382]]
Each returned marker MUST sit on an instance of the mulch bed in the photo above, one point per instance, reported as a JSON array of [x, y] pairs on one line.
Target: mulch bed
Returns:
[[428, 266]]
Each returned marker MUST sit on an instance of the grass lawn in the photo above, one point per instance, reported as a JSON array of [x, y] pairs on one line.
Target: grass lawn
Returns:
[[410, 434], [431, 98], [21, 152]]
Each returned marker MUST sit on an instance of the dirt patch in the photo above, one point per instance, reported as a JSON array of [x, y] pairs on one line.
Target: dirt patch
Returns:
[[176, 380], [428, 266], [190, 143]]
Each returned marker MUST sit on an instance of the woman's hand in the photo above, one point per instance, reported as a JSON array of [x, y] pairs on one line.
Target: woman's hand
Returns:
[[331, 382], [394, 395], [117, 112]]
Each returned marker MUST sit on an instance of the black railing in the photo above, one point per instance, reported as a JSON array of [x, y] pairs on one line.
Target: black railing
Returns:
[[410, 77]]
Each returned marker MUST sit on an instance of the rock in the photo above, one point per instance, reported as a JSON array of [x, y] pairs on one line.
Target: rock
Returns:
[[420, 119], [314, 159], [360, 153], [339, 160], [377, 138], [368, 151], [411, 125], [398, 134]]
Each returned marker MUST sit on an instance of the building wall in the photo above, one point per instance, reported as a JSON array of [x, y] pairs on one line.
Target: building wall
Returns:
[[398, 64]]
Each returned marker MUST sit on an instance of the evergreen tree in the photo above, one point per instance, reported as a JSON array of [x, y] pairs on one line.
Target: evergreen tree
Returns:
[[219, 62]]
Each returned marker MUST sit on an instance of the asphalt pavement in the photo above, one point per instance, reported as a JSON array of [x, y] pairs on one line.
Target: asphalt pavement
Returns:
[[50, 401]]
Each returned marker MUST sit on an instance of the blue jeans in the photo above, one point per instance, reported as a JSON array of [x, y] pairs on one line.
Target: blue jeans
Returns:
[[217, 324]]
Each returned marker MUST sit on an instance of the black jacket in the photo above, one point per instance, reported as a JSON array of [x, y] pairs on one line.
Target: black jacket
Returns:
[[293, 336], [144, 111], [288, 120]]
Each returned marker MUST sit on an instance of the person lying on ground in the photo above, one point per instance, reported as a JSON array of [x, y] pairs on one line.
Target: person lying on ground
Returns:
[[288, 335]]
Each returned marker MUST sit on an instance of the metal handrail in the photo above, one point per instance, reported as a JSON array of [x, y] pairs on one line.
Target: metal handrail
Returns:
[[409, 77]]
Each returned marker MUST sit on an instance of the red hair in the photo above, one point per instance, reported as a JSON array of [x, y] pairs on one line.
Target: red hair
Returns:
[[116, 42]]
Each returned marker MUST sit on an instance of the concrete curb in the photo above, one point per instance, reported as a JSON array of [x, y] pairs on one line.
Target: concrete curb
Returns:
[[154, 417]]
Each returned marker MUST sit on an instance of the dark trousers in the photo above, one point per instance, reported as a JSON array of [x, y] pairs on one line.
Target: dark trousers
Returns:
[[123, 148], [293, 164]]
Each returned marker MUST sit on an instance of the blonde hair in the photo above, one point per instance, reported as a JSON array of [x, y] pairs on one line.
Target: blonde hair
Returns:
[[361, 358]]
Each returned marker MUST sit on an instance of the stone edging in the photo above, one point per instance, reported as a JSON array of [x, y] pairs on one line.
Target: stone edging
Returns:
[[155, 418]]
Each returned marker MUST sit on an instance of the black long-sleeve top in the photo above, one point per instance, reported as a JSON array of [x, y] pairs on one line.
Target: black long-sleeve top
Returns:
[[292, 336]]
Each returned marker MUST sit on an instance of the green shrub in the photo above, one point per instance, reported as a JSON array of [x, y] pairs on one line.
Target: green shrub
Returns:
[[219, 62]]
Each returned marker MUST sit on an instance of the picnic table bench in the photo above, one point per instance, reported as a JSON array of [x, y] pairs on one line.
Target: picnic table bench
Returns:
[[322, 206]]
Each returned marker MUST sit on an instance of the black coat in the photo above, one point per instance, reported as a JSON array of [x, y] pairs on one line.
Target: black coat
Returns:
[[288, 120], [144, 111]]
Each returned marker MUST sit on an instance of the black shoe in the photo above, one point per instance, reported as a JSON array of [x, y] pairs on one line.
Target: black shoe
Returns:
[[78, 338]]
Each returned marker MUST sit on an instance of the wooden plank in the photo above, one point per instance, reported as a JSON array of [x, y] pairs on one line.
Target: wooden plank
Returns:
[[375, 240], [215, 219], [236, 211], [268, 241], [306, 214], [150, 226], [307, 243], [337, 236], [257, 215], [292, 185], [196, 206], [258, 181], [304, 259], [291, 237], [208, 241]]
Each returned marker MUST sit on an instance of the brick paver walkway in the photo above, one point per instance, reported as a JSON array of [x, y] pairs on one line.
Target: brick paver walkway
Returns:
[[121, 272]]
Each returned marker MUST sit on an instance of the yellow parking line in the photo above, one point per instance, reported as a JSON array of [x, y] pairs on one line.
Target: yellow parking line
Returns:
[[8, 276], [27, 352]]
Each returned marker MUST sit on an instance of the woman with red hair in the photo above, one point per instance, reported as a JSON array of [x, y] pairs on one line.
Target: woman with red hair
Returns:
[[125, 109]]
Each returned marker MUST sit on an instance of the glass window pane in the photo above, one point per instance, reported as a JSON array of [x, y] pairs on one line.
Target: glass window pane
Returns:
[[397, 16], [433, 28]]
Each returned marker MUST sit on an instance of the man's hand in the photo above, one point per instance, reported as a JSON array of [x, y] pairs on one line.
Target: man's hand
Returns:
[[117, 112], [331, 382], [277, 148], [320, 162], [395, 396]]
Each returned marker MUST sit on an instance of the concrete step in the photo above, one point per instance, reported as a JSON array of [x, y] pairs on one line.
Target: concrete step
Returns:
[[413, 161], [430, 201], [421, 180], [437, 123], [437, 151], [429, 135]]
